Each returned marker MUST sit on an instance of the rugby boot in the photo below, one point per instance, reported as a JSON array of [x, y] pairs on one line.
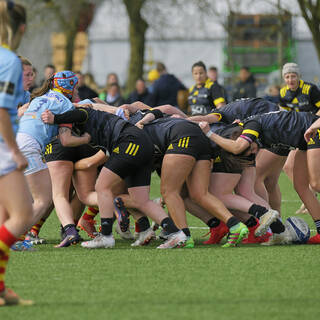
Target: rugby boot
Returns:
[[217, 233]]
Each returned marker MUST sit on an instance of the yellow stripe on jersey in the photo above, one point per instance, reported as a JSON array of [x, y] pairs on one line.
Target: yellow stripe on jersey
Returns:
[[301, 83], [4, 248], [191, 89], [130, 145], [208, 83], [318, 104], [137, 148], [183, 142], [283, 92], [217, 114], [48, 149], [187, 142], [306, 89], [219, 100], [285, 108], [249, 131], [132, 149]]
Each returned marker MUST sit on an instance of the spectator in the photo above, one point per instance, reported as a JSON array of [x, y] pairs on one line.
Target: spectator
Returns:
[[205, 94], [34, 80], [112, 78], [153, 75], [84, 91], [141, 93], [113, 96], [213, 75], [49, 70], [273, 94], [89, 82], [166, 88], [246, 87]]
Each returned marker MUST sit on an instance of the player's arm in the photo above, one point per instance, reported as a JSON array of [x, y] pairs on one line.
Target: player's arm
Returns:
[[150, 116], [79, 115], [232, 146], [68, 140], [169, 109], [312, 130], [94, 161], [8, 137], [210, 118]]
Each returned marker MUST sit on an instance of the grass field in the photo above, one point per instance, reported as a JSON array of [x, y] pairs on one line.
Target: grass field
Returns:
[[248, 282]]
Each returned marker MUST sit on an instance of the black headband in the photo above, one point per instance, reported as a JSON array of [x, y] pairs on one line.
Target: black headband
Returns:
[[10, 5]]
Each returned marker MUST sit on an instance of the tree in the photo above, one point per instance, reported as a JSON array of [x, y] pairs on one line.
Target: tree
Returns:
[[72, 16], [310, 11], [137, 29]]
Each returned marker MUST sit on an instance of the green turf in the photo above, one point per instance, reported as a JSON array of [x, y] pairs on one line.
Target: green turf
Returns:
[[248, 282]]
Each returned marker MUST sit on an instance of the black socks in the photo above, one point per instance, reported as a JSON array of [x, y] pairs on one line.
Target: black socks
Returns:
[[213, 223], [257, 210], [106, 226], [168, 225]]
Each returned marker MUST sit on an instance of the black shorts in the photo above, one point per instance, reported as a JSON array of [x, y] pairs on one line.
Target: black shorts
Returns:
[[131, 157], [314, 143], [219, 166], [55, 151], [280, 151], [187, 138]]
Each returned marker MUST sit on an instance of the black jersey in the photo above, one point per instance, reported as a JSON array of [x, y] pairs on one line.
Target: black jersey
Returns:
[[244, 108], [306, 98], [202, 100], [279, 129], [104, 128]]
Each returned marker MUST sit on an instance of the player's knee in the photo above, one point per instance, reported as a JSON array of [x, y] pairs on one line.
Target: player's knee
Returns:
[[315, 185]]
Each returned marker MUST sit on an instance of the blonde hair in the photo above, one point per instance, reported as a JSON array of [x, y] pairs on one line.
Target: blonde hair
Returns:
[[25, 61], [12, 15], [5, 26], [46, 86]]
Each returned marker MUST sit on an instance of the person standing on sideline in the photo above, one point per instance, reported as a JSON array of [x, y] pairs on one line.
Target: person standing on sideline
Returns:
[[213, 75], [165, 89], [205, 94], [246, 87]]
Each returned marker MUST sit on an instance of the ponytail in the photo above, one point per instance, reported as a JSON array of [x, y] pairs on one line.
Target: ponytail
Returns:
[[5, 25], [12, 15], [46, 86]]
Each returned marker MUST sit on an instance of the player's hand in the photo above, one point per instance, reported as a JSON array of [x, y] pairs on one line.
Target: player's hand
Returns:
[[140, 125], [204, 126], [87, 136], [47, 117], [310, 133], [20, 160]]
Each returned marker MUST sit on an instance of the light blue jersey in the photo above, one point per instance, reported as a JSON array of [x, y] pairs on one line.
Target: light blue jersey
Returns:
[[26, 97], [31, 123], [11, 84]]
